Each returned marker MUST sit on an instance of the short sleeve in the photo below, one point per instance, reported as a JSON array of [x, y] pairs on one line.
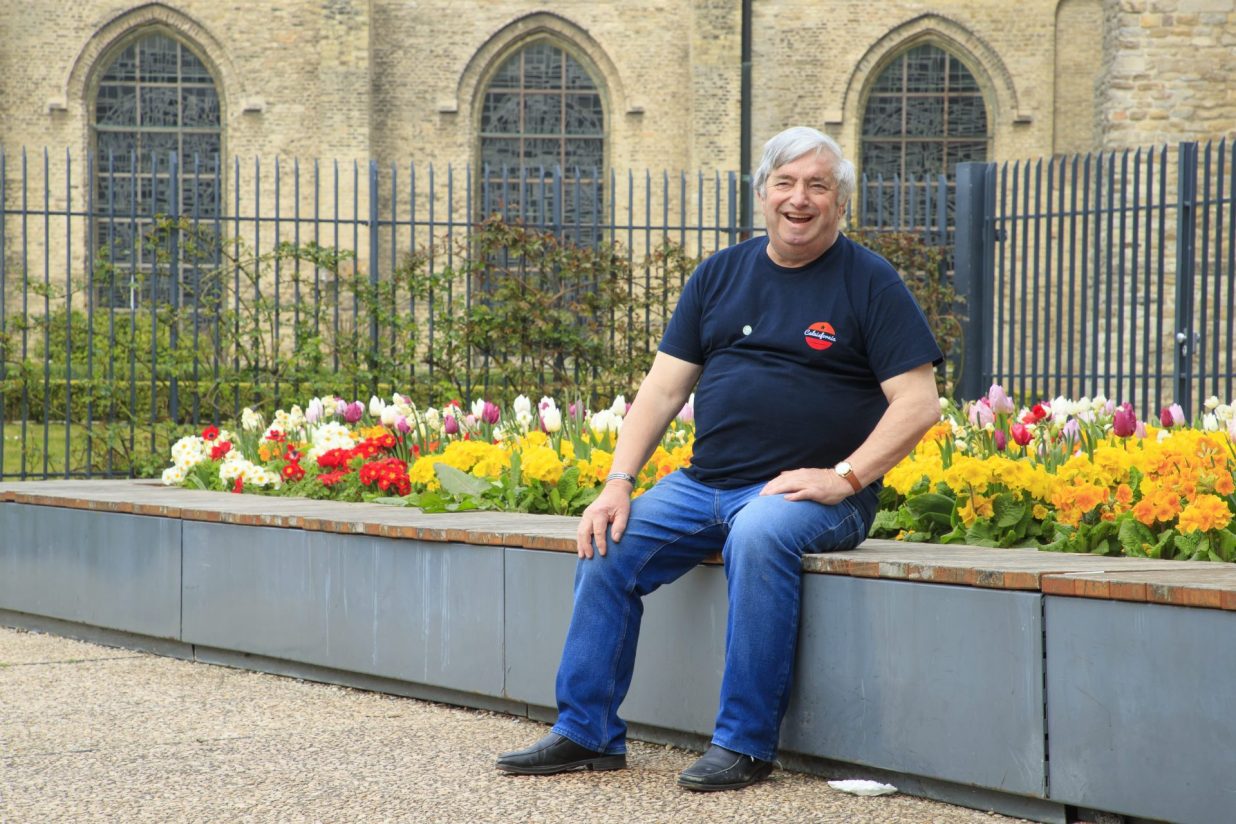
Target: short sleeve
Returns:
[[897, 335], [683, 338]]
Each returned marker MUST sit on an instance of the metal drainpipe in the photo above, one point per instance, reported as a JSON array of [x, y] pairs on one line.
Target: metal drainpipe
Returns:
[[744, 140]]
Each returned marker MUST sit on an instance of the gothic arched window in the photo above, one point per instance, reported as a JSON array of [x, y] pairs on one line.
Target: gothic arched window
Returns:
[[156, 105], [542, 130], [924, 115]]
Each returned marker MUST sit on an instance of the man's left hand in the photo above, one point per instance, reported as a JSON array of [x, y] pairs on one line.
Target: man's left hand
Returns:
[[821, 485]]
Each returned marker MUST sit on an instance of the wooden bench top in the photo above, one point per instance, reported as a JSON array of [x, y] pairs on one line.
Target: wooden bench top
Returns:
[[1178, 583]]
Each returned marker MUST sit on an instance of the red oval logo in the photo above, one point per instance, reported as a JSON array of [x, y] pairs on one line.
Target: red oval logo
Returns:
[[820, 335]]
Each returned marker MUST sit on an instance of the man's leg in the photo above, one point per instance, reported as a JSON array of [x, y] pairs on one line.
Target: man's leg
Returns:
[[763, 562], [672, 528]]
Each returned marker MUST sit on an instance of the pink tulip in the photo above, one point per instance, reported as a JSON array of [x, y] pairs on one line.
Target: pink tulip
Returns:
[[1140, 430], [450, 426], [999, 400], [981, 414], [1000, 439], [402, 425], [353, 411], [1022, 434], [1124, 420], [1178, 415], [491, 413], [1165, 417]]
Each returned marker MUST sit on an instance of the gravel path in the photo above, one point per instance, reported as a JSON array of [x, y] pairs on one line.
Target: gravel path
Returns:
[[91, 733]]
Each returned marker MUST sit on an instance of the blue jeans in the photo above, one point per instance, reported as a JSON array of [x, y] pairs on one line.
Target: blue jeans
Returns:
[[674, 526]]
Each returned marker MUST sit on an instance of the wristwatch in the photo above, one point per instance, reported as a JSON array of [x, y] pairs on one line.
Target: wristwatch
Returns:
[[846, 471]]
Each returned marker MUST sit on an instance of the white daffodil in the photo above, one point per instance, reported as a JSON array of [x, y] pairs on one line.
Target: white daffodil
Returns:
[[173, 476], [251, 421]]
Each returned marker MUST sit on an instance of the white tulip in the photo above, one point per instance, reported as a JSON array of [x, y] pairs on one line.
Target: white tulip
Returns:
[[551, 418]]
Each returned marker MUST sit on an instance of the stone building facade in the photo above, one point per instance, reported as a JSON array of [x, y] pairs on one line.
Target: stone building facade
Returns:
[[654, 86], [395, 80]]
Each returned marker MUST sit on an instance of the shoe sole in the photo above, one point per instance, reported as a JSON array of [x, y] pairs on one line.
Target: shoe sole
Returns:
[[609, 762], [705, 787]]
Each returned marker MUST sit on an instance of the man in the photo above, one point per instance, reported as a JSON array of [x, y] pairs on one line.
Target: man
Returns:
[[814, 369]]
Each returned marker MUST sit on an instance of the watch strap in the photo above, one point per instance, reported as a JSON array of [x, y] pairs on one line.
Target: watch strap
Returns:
[[853, 479]]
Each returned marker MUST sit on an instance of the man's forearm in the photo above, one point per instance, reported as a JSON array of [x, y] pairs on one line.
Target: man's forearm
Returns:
[[914, 408]]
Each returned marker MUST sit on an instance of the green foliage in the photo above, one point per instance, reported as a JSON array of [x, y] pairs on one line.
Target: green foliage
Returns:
[[545, 315], [503, 311]]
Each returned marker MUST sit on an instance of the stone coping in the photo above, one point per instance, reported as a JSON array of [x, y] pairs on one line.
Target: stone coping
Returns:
[[1176, 583]]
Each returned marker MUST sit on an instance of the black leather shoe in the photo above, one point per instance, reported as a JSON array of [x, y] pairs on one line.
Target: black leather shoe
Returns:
[[722, 769], [554, 754]]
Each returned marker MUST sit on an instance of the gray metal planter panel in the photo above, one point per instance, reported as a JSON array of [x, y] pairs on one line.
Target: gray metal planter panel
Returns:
[[938, 681], [424, 612], [1139, 708], [681, 652], [104, 569], [538, 610]]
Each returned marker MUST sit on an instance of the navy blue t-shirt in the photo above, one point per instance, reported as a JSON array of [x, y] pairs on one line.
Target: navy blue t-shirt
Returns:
[[793, 358]]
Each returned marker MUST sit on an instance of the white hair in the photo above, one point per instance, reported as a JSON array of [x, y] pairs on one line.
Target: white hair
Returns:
[[797, 141]]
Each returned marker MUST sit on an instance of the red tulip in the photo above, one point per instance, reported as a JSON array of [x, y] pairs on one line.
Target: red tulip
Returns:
[[1022, 434]]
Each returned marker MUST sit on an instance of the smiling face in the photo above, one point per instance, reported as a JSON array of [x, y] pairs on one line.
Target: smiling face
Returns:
[[801, 209]]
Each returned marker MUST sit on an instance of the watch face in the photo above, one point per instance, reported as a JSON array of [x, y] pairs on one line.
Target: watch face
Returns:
[[842, 469]]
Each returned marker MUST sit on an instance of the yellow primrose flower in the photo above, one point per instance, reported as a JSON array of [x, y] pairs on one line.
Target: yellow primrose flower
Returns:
[[541, 463], [1204, 513]]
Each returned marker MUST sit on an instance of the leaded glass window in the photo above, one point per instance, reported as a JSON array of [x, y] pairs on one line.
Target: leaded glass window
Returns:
[[925, 114], [543, 143], [156, 99]]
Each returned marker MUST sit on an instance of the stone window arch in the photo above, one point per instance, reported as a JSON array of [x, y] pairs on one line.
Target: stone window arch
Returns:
[[542, 128], [924, 112], [156, 138]]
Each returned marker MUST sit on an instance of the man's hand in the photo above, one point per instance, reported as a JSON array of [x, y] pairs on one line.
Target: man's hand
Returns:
[[821, 485], [612, 506]]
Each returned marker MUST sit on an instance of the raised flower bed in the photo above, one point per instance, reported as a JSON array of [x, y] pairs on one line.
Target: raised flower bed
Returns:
[[1071, 476]]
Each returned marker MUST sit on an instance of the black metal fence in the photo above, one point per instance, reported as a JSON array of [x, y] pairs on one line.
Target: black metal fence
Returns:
[[1111, 274], [142, 292]]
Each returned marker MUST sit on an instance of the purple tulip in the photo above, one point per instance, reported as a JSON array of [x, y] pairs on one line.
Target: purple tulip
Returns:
[[450, 426], [491, 413], [1124, 420], [1001, 440], [1072, 429], [354, 412]]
